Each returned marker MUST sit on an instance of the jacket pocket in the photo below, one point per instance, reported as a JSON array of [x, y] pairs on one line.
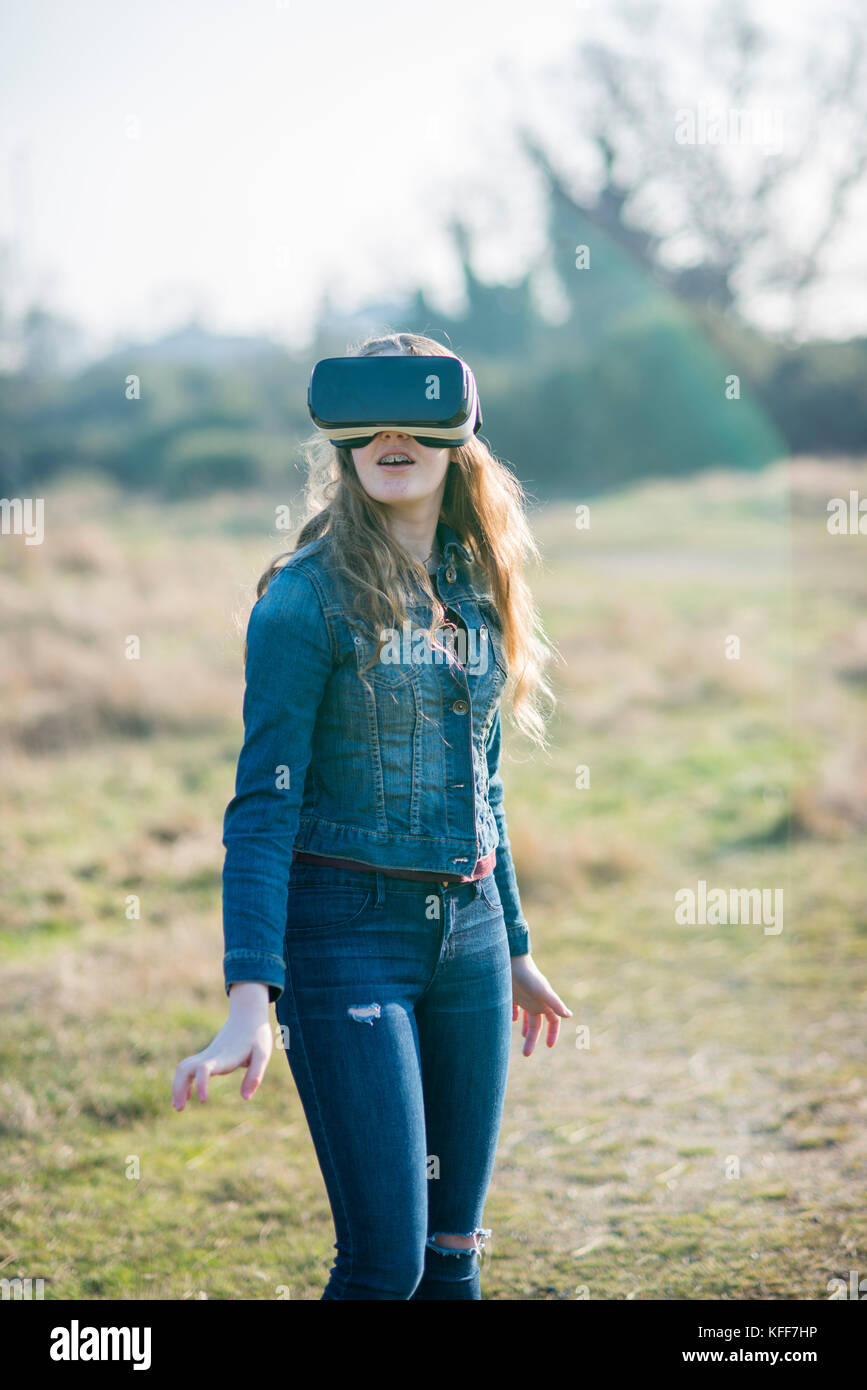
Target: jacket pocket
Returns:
[[394, 667]]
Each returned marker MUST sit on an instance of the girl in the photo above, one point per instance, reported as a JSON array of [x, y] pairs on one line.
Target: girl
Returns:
[[368, 884]]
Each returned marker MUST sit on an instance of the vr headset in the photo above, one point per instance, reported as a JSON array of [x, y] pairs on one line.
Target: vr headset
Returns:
[[434, 399]]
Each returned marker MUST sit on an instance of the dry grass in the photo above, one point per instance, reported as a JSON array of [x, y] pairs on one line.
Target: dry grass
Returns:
[[709, 1143]]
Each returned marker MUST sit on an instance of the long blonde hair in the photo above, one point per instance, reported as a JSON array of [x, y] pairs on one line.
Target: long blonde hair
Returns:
[[483, 503]]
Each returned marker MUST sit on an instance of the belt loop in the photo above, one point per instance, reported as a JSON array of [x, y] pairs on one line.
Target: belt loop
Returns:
[[380, 888]]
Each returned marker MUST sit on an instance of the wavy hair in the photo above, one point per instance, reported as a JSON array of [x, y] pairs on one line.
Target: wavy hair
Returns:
[[483, 503]]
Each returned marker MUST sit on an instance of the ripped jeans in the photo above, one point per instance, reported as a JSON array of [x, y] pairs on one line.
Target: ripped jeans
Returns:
[[396, 1017]]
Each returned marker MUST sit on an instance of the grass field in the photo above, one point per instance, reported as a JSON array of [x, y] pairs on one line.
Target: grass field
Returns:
[[709, 1142]]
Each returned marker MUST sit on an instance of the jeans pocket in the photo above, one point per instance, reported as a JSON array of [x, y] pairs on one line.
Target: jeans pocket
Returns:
[[312, 908], [490, 894]]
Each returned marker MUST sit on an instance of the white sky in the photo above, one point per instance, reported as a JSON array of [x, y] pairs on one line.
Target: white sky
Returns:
[[283, 146]]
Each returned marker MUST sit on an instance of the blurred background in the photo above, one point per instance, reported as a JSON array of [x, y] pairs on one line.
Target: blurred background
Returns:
[[643, 225]]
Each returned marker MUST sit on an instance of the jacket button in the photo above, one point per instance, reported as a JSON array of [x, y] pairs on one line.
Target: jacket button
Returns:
[[460, 706], [451, 574]]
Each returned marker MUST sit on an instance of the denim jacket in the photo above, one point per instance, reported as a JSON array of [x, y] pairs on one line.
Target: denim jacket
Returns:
[[402, 773]]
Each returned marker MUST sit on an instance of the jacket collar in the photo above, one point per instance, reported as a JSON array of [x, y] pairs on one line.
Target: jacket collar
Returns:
[[450, 541]]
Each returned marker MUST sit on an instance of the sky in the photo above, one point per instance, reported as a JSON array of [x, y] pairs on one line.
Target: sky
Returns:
[[233, 161]]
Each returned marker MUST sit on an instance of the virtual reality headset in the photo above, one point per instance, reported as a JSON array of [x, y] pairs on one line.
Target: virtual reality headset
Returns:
[[434, 399]]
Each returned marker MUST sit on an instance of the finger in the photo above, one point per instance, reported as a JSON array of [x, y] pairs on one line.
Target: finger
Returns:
[[533, 1032], [255, 1072], [514, 1012], [553, 1030], [203, 1071], [182, 1082], [525, 1024]]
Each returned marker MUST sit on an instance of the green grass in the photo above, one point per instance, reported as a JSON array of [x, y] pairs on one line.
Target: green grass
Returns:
[[706, 1145]]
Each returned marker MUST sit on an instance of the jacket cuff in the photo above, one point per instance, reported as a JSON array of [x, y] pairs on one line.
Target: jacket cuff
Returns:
[[519, 940], [267, 969]]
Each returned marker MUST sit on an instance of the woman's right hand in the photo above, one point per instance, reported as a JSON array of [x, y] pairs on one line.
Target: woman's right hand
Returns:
[[245, 1040]]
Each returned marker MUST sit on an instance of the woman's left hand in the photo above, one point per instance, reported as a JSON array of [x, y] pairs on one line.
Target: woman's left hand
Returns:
[[532, 993]]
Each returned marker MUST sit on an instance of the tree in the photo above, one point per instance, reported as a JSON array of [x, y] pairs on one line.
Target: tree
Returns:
[[718, 218]]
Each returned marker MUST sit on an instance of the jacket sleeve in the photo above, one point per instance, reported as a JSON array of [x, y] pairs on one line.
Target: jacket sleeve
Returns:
[[288, 664], [504, 870]]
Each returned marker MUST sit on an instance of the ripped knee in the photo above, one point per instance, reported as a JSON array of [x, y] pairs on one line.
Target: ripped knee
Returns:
[[458, 1243]]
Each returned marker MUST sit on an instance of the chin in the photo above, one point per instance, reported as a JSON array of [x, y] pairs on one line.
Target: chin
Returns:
[[397, 489]]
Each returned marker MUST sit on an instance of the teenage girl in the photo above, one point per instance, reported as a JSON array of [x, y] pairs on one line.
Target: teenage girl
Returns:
[[368, 884]]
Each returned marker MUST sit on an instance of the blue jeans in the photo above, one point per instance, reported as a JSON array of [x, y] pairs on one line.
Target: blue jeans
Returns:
[[397, 1017]]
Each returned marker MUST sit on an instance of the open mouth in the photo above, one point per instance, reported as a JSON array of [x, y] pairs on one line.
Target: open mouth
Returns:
[[395, 460]]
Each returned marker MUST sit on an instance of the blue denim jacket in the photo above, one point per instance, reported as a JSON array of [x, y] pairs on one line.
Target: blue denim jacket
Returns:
[[402, 773]]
